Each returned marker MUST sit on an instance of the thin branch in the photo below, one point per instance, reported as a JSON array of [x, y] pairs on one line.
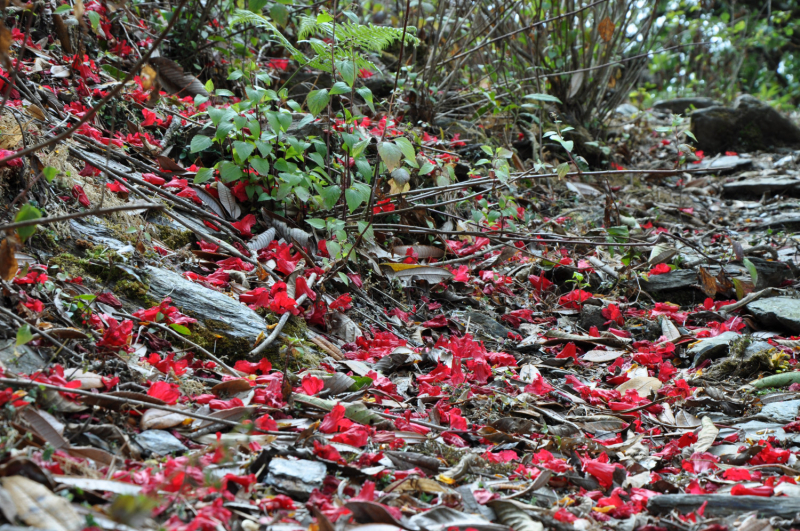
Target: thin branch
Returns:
[[65, 217]]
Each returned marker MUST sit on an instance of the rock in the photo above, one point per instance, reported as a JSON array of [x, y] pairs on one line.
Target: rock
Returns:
[[726, 163], [778, 312], [90, 228], [627, 110], [22, 359], [296, 478], [592, 316], [676, 280], [782, 411], [749, 125], [159, 442], [712, 346], [491, 327], [763, 185], [684, 105], [214, 310], [312, 128]]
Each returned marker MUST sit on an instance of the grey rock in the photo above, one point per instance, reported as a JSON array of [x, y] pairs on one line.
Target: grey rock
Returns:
[[592, 316], [782, 411], [684, 105], [489, 325], [779, 312], [312, 128], [678, 279], [756, 347], [627, 110], [296, 478], [712, 346], [755, 429], [762, 185], [725, 163], [21, 360], [92, 229], [160, 442], [749, 125], [216, 311]]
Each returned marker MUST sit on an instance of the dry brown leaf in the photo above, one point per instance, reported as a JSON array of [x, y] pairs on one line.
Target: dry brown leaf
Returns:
[[158, 419], [88, 380], [79, 10], [174, 80], [8, 258], [37, 112], [44, 429], [643, 385], [708, 283], [606, 29], [707, 436], [5, 46], [38, 507], [11, 138], [599, 356], [228, 201], [425, 485]]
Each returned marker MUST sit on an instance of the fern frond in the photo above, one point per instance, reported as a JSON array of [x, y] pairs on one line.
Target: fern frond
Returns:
[[242, 16], [308, 26]]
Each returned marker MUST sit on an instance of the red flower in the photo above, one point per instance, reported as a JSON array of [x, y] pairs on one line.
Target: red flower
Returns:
[[152, 178], [278, 64], [312, 385], [457, 422], [333, 420], [167, 392], [13, 163], [326, 451], [301, 288], [660, 269], [356, 435], [245, 225], [79, 194], [613, 314], [601, 469], [575, 299], [251, 368], [364, 73], [117, 335], [539, 387]]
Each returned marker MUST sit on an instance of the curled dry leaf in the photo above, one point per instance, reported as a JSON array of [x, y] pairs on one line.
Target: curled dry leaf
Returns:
[[707, 436], [38, 507], [644, 385], [174, 80], [228, 201], [158, 419]]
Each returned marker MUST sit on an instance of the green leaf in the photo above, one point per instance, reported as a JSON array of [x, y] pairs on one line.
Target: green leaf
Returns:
[[94, 20], [347, 70], [406, 147], [390, 154], [542, 97], [181, 329], [340, 87], [230, 171], [426, 168], [367, 229], [324, 17], [279, 14], [256, 5], [562, 170], [209, 86], [260, 165], [751, 268], [24, 335], [26, 213], [203, 175], [360, 383], [200, 143], [366, 93], [316, 223], [353, 198], [317, 100], [333, 248], [50, 173], [243, 149], [66, 8], [330, 195]]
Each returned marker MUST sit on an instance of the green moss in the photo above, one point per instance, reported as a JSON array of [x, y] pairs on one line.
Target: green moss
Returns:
[[70, 264], [173, 237], [210, 334], [135, 291]]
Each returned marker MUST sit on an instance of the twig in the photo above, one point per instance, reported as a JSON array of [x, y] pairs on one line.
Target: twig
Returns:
[[42, 333], [65, 217]]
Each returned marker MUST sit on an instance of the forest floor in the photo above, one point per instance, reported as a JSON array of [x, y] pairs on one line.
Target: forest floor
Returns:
[[176, 355]]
